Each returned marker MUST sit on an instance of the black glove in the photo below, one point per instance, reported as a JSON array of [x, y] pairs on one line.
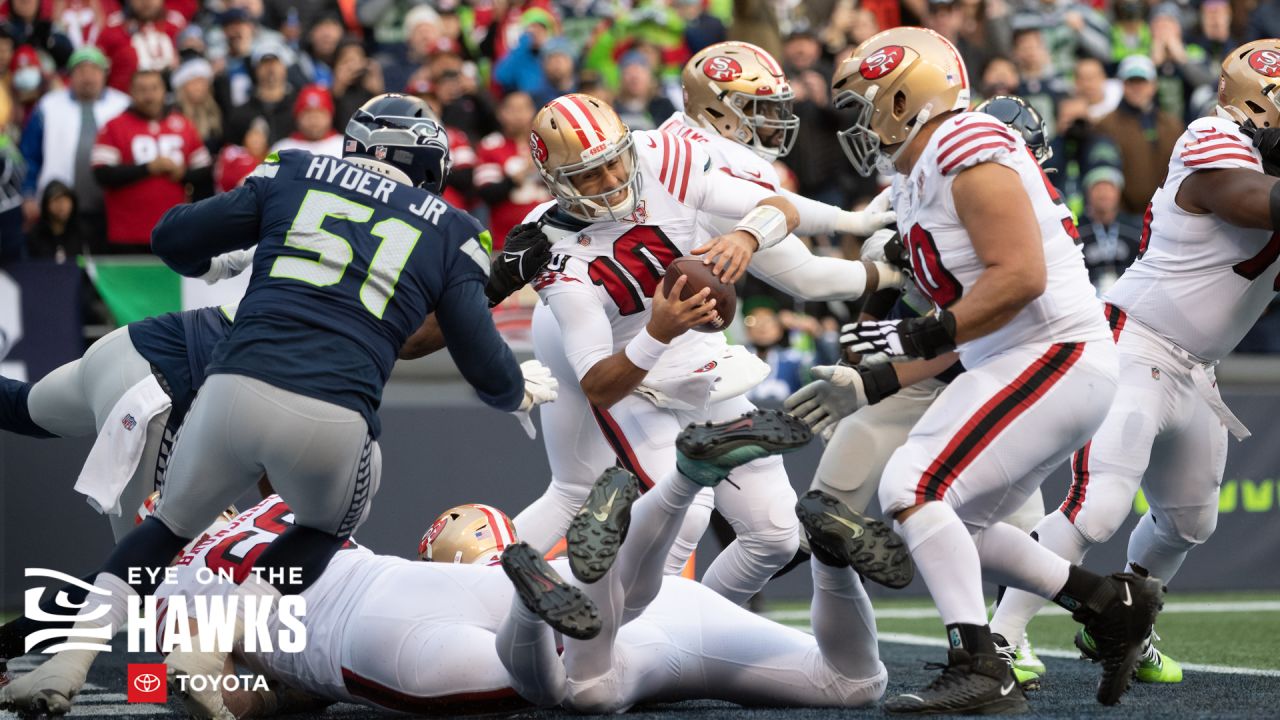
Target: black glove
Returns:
[[524, 253], [895, 253], [1267, 140]]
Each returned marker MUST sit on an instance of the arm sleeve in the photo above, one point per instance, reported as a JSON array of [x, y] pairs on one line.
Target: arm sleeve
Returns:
[[816, 218], [584, 327], [725, 195], [480, 353], [188, 236], [793, 269], [32, 146]]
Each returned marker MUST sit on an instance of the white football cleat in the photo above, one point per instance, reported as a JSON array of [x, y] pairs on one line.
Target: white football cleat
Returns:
[[48, 689]]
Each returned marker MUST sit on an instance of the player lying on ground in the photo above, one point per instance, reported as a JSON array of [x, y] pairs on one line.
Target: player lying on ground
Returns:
[[866, 411], [449, 638], [607, 328], [667, 638], [1205, 273], [340, 282], [997, 258]]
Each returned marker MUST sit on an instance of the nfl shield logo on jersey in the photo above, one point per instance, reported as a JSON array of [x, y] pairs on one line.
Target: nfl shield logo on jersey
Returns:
[[128, 422], [380, 152], [1155, 373]]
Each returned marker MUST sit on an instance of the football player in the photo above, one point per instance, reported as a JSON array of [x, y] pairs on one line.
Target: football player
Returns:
[[995, 255], [621, 216], [865, 412], [1205, 272], [340, 282]]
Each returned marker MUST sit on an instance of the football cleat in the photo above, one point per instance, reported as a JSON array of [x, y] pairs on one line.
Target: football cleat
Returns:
[[840, 537], [707, 453], [969, 685], [48, 689], [596, 533], [1118, 620], [1026, 658], [1154, 667], [547, 595], [1027, 679]]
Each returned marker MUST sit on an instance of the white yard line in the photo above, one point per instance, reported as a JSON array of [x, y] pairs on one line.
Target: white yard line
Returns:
[[926, 613]]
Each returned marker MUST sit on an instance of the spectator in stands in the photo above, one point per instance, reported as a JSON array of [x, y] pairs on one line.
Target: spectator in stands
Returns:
[[1178, 75], [463, 105], [505, 176], [1131, 35], [144, 159], [701, 28], [459, 187], [946, 18], [31, 78], [1143, 132], [801, 53], [272, 98], [864, 26], [767, 338], [423, 39], [12, 169], [313, 116], [1264, 22], [58, 141], [28, 27], [1042, 87], [1210, 45], [1000, 77], [1077, 149], [638, 101], [1092, 85], [235, 80], [140, 39], [1070, 29], [191, 44], [1109, 237], [521, 69], [193, 89], [82, 20], [59, 233], [816, 159], [558, 74], [356, 79], [235, 162], [303, 13], [320, 50]]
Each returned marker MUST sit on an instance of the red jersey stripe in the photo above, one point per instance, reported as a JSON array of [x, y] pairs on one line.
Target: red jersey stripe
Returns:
[[666, 153], [983, 124], [1201, 148], [973, 151], [1208, 160], [964, 142], [688, 160]]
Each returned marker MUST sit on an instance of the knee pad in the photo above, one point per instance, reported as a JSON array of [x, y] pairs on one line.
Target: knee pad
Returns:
[[774, 545], [598, 696], [1186, 526], [1098, 521]]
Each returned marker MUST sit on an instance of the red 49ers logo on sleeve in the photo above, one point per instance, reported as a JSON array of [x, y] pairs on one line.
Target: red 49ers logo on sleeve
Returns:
[[1266, 62], [537, 147], [882, 62], [722, 69]]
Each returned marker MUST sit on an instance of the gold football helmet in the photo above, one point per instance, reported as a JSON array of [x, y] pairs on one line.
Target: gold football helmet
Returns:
[[894, 83], [586, 157], [739, 91], [468, 534], [1250, 83]]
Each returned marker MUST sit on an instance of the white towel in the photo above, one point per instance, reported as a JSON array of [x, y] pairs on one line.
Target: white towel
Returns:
[[732, 371], [118, 448]]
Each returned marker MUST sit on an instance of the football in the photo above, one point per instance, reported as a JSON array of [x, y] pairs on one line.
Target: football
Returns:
[[700, 276]]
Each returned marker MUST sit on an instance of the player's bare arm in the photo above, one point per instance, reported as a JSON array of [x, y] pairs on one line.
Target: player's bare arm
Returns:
[[1244, 198], [997, 214], [425, 340], [613, 378]]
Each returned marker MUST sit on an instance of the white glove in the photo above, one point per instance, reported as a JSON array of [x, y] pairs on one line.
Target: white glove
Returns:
[[864, 223], [228, 265], [838, 393], [540, 386], [873, 247], [872, 336]]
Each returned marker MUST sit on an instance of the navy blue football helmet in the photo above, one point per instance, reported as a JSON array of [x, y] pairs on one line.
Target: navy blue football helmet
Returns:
[[399, 130], [1023, 119]]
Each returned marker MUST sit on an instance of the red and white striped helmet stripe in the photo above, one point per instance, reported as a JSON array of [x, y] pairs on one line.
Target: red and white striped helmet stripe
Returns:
[[580, 119], [504, 533]]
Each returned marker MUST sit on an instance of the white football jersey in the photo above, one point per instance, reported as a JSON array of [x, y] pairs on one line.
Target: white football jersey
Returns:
[[944, 263], [1199, 281], [616, 266], [727, 156]]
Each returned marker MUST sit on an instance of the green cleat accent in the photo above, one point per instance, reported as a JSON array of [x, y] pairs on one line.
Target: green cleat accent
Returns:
[[706, 454], [1154, 667], [1025, 658], [1027, 679]]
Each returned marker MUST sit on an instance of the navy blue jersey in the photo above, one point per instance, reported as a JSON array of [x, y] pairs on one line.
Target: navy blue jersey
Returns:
[[179, 345], [349, 263]]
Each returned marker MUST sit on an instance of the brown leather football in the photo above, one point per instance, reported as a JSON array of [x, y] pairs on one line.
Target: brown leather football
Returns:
[[700, 276]]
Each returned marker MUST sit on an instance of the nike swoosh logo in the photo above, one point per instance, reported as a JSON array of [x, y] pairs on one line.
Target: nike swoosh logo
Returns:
[[652, 144], [1128, 598], [754, 174], [857, 531], [962, 120], [1008, 689], [603, 515]]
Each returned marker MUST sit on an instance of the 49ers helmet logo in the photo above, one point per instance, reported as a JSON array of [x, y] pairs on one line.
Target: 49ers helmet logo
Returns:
[[881, 62], [1266, 62], [537, 147], [722, 69]]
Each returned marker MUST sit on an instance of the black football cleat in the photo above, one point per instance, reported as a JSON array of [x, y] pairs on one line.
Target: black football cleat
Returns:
[[707, 453], [548, 596], [1119, 619], [968, 685], [596, 533], [840, 537]]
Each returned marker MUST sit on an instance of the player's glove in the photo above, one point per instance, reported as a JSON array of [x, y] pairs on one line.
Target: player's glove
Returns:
[[228, 265], [524, 252], [875, 216], [838, 392], [923, 337], [1267, 140], [540, 386]]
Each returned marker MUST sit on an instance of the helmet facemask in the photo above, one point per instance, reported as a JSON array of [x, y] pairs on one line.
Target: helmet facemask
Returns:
[[771, 114], [862, 145], [594, 207]]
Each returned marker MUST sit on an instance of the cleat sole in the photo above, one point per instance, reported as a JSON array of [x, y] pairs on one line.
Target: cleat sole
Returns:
[[547, 595], [596, 533], [854, 540]]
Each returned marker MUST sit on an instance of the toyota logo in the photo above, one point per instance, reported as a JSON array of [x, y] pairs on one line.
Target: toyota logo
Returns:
[[146, 683]]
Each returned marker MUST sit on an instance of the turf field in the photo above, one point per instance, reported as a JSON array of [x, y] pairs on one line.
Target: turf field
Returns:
[[1229, 644]]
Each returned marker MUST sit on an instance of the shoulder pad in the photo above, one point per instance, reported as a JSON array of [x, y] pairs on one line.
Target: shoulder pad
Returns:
[[971, 138]]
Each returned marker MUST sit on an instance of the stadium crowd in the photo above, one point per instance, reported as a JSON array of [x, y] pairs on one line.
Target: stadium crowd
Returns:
[[111, 113]]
